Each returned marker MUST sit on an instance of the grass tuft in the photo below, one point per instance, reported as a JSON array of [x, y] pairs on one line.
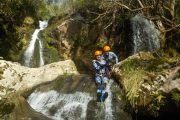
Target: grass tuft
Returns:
[[132, 77]]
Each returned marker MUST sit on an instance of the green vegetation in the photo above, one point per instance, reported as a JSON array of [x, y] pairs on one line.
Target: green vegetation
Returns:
[[135, 73], [176, 97], [18, 17], [6, 106], [177, 10], [70, 6], [158, 101], [132, 77]]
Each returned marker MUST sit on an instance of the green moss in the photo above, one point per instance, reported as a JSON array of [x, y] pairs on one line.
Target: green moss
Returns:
[[160, 58], [28, 20], [171, 52], [51, 55], [6, 106], [175, 96], [155, 63], [155, 106], [129, 65], [44, 11], [58, 84], [132, 77], [50, 47]]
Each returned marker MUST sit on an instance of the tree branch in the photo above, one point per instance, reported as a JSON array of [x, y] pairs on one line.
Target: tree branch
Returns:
[[100, 16], [172, 28], [140, 3], [133, 10]]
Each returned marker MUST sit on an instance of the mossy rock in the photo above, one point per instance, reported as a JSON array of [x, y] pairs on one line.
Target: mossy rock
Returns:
[[15, 107], [6, 106], [28, 20], [69, 84]]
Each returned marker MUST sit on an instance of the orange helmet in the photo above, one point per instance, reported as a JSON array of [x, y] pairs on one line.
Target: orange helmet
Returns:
[[98, 52], [106, 48]]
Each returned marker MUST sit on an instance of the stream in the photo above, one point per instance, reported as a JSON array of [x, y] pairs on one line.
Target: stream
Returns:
[[74, 98]]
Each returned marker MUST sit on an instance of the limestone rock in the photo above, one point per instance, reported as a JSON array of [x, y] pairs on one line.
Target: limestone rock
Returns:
[[16, 77]]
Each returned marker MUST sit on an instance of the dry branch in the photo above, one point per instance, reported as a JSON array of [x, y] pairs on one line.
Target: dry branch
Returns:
[[166, 19], [108, 25], [88, 11], [173, 28], [133, 10], [140, 3], [100, 16]]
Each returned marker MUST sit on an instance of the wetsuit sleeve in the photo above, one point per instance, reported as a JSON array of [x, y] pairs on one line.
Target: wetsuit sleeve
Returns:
[[95, 65], [115, 56]]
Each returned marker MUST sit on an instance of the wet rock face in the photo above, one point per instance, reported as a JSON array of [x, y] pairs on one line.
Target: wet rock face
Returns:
[[65, 98], [68, 33], [15, 107], [141, 35], [153, 80], [72, 38]]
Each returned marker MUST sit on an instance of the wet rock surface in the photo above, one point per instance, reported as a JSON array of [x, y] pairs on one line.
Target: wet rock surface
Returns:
[[75, 98]]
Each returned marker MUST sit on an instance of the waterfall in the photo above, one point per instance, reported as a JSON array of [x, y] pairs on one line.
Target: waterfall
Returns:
[[41, 52], [28, 55], [108, 102], [55, 2], [73, 98], [60, 106], [144, 34]]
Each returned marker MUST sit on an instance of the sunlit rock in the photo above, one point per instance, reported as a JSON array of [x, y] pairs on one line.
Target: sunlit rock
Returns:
[[18, 77]]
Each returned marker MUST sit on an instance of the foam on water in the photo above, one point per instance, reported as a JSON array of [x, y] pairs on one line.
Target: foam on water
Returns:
[[71, 106]]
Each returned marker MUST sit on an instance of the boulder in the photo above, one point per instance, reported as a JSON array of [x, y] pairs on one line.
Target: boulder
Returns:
[[15, 77], [151, 82]]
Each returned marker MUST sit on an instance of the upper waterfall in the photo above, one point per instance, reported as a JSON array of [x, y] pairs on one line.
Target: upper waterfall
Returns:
[[145, 36], [28, 55]]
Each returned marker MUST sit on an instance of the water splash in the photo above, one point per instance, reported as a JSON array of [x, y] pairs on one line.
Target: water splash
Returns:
[[60, 106], [108, 102], [145, 35], [28, 55], [41, 52]]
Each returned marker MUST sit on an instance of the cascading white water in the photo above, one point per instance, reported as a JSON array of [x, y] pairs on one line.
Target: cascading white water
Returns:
[[108, 102], [41, 53], [55, 2], [60, 106], [144, 34], [28, 55]]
